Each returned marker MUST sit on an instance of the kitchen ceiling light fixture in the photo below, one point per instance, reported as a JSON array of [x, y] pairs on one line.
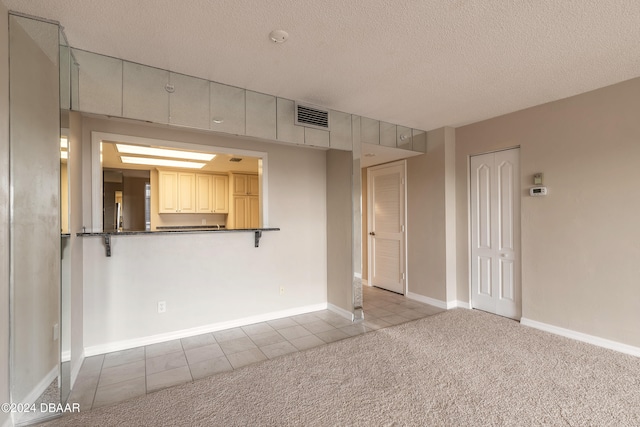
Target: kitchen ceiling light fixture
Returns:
[[163, 152], [161, 162], [278, 36]]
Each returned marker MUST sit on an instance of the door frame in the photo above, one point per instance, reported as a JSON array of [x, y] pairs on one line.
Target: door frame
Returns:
[[470, 219], [402, 162]]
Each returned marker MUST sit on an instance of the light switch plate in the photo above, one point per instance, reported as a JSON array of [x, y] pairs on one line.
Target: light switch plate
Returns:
[[538, 178]]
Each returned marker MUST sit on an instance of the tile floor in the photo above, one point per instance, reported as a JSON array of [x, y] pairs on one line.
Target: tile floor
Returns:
[[114, 377]]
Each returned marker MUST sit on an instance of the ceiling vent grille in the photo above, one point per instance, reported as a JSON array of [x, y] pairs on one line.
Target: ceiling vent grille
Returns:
[[313, 117], [235, 159]]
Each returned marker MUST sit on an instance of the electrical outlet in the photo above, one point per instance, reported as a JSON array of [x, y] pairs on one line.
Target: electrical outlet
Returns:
[[281, 290], [204, 222], [162, 306], [56, 332]]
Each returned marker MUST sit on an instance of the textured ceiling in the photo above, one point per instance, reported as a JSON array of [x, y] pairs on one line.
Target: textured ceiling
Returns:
[[419, 63]]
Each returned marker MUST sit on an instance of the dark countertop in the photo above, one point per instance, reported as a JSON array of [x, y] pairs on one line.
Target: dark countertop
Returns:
[[176, 230]]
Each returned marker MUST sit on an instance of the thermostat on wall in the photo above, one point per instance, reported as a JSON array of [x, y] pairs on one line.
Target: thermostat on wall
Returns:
[[538, 191]]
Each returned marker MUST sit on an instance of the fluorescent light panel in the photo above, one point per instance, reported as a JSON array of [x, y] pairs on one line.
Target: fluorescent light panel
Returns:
[[163, 152], [64, 154], [161, 162], [64, 143]]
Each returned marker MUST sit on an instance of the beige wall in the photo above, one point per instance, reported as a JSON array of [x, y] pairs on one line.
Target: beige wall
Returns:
[[426, 219], [580, 246], [4, 212], [339, 247]]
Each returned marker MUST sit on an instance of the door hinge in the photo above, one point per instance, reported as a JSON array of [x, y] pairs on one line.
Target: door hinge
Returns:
[[403, 228], [403, 276]]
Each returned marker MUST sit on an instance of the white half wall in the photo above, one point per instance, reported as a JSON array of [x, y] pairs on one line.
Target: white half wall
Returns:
[[211, 278]]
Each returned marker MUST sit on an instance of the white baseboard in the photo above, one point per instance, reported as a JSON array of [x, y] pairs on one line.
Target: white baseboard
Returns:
[[446, 305], [462, 304], [65, 356], [365, 282], [184, 333], [590, 339], [341, 311]]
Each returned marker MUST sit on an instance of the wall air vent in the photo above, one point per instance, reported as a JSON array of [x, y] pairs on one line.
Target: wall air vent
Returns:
[[313, 117], [235, 159]]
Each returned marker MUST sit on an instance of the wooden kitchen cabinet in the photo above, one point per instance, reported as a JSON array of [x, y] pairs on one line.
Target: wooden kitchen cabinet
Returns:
[[245, 184], [212, 193], [246, 212], [177, 192], [244, 209]]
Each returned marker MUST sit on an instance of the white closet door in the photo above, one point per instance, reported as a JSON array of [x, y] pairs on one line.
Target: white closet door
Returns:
[[495, 233]]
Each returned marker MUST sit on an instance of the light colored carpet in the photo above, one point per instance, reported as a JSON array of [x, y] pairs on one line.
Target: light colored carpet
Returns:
[[461, 367]]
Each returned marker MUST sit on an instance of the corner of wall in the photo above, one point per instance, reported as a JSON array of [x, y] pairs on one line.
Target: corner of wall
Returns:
[[5, 419]]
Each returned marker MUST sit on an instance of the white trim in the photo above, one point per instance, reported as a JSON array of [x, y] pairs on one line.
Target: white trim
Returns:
[[426, 300], [462, 304], [184, 333], [403, 214], [590, 339], [96, 168], [37, 391], [365, 282], [447, 305], [341, 311], [65, 356]]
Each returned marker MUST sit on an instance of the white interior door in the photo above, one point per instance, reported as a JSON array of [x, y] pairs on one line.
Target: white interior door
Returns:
[[386, 219], [495, 233]]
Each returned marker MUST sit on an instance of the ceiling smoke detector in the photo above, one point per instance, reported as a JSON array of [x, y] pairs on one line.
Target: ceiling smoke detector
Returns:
[[278, 36]]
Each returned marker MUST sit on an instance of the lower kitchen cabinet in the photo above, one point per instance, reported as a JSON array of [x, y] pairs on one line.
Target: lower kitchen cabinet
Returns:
[[245, 212]]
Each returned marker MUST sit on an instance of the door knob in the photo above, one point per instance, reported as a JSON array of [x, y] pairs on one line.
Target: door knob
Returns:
[[372, 233]]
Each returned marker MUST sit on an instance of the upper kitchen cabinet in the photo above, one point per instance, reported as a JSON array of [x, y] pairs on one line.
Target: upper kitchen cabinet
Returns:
[[261, 115], [99, 84], [369, 131], [387, 134], [226, 109], [340, 136], [419, 140], [145, 93], [177, 192], [188, 101], [404, 138], [286, 129]]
